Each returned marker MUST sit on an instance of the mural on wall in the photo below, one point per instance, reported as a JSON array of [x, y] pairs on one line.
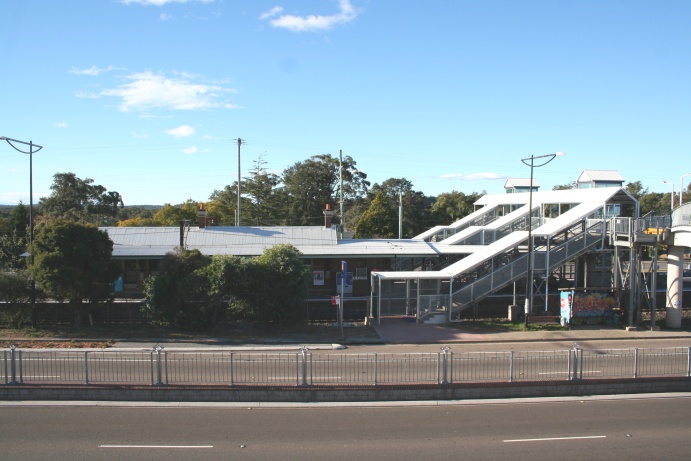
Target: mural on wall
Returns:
[[593, 307]]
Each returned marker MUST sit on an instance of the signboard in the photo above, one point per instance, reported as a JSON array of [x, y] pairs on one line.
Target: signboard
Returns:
[[348, 288], [566, 302]]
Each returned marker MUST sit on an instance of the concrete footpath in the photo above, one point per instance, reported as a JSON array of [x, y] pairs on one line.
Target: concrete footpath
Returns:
[[402, 331]]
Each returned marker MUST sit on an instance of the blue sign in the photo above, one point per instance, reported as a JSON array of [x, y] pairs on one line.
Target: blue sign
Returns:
[[347, 286]]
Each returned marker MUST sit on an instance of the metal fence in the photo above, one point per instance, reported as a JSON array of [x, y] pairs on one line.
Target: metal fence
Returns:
[[160, 367]]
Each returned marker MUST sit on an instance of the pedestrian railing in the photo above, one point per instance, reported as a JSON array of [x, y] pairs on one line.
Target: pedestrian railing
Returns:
[[160, 367]]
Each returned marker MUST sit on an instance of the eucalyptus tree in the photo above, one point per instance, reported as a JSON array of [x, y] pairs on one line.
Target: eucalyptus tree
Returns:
[[80, 200], [312, 184]]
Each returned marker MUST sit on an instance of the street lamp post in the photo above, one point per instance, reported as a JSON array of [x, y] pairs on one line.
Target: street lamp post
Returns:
[[530, 161], [681, 188], [31, 152], [672, 195]]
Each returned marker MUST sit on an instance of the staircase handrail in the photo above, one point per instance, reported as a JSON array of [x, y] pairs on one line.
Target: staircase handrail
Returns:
[[517, 268]]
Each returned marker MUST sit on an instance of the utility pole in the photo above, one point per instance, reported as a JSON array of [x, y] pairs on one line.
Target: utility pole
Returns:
[[400, 215], [238, 221], [340, 188], [33, 148]]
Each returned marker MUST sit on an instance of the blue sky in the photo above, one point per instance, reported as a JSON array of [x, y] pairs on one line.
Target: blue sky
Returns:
[[148, 97]]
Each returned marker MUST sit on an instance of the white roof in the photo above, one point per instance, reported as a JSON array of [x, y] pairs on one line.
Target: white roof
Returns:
[[598, 194], [520, 182], [600, 175], [482, 254]]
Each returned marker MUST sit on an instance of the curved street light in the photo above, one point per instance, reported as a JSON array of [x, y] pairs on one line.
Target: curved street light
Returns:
[[681, 188], [671, 196], [33, 148], [530, 161]]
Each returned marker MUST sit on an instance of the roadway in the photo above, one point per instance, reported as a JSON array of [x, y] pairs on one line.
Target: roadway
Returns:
[[605, 428]]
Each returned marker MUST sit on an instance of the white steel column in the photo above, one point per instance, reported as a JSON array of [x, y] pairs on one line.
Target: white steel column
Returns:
[[675, 271]]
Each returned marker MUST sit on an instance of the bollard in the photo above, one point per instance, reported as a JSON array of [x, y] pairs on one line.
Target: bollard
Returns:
[[445, 365], [577, 361], [13, 364], [158, 350], [304, 350]]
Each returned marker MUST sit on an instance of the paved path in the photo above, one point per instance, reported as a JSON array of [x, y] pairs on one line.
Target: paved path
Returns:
[[406, 331]]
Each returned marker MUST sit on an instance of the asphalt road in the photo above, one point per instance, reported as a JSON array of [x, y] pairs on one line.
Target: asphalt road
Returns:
[[576, 429]]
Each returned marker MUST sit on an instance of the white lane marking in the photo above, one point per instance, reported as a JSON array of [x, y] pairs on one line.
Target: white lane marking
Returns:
[[556, 438], [155, 446]]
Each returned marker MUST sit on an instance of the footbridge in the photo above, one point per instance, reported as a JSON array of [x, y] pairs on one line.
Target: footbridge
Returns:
[[563, 225]]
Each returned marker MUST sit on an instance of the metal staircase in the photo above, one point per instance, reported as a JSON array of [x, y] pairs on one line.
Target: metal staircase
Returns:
[[503, 269]]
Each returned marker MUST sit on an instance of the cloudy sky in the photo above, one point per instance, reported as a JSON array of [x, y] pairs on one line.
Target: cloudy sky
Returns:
[[149, 97]]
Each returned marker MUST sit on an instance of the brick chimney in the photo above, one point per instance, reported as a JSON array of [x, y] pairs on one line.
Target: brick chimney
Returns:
[[202, 216], [328, 215]]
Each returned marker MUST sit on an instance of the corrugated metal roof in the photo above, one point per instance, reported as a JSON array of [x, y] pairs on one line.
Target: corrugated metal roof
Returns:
[[520, 182], [600, 175], [131, 242], [313, 241]]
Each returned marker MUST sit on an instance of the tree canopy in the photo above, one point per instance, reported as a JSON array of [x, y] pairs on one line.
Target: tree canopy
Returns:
[[315, 182], [72, 261], [80, 200]]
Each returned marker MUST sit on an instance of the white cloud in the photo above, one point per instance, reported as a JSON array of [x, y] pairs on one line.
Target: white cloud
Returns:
[[147, 90], [91, 71], [86, 95], [190, 150], [160, 2], [311, 23], [473, 176], [183, 131], [275, 11], [165, 17], [61, 125]]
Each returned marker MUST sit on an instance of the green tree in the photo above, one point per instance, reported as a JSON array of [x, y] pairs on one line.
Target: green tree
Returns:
[[263, 200], [313, 183], [657, 204], [379, 221], [572, 185], [72, 261], [452, 206], [178, 294], [171, 215], [15, 294], [269, 288], [285, 272], [12, 246], [80, 200], [636, 189], [133, 212], [234, 281], [138, 222], [415, 211], [223, 205], [19, 220]]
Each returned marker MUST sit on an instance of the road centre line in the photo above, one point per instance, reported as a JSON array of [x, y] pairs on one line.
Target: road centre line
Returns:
[[550, 439], [155, 446]]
